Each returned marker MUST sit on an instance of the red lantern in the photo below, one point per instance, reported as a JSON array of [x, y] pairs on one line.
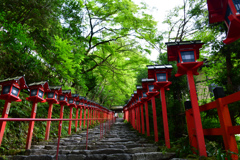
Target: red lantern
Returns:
[[11, 88], [229, 12], [63, 98], [37, 90], [52, 95], [186, 54], [51, 99], [149, 84], [160, 73], [10, 92]]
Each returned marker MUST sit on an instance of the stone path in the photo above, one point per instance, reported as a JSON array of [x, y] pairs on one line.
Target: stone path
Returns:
[[119, 144]]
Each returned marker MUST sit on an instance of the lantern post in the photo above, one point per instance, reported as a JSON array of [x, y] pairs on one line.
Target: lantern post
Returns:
[[133, 112], [151, 95], [72, 104], [10, 92], [85, 108], [137, 104], [81, 104], [161, 73], [186, 54], [78, 107], [37, 90], [52, 96], [145, 99], [139, 92], [229, 12]]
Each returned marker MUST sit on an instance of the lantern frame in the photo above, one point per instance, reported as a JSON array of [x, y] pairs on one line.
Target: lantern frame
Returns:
[[145, 83], [56, 90], [174, 49], [39, 87], [15, 82], [73, 97], [66, 94], [139, 92], [218, 10], [153, 70]]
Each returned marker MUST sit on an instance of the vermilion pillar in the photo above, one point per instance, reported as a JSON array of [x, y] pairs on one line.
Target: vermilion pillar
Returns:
[[154, 119], [84, 123], [191, 130], [196, 114], [4, 115], [139, 120], [31, 125], [48, 122], [127, 115], [165, 118], [76, 122], [134, 120], [70, 122], [142, 119], [61, 117], [80, 122], [90, 114], [136, 117], [147, 118]]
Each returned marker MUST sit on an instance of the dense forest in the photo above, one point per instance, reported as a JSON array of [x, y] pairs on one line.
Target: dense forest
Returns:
[[98, 48]]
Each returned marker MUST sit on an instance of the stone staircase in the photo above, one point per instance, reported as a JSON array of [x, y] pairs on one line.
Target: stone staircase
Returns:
[[119, 144]]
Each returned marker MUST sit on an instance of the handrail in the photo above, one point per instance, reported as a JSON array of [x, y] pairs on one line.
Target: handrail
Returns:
[[110, 121]]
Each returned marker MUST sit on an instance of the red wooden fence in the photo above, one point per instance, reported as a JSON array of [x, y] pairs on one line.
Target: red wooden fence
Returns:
[[227, 130]]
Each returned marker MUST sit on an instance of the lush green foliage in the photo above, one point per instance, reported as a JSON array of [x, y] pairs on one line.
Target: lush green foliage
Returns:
[[90, 47]]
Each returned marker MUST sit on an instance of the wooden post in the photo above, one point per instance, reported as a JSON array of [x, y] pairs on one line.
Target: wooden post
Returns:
[[84, 123], [76, 122], [6, 110], [48, 122], [147, 118], [90, 115], [165, 118], [31, 126], [154, 119], [139, 120], [142, 118], [134, 120], [80, 122], [191, 130], [70, 122], [225, 122], [196, 115]]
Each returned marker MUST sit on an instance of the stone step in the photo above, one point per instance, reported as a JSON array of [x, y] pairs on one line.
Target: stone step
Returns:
[[153, 156]]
